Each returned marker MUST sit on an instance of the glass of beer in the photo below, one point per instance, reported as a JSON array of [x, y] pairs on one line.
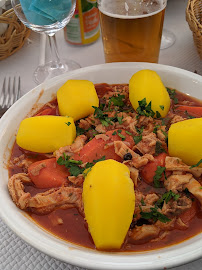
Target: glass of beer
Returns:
[[131, 29]]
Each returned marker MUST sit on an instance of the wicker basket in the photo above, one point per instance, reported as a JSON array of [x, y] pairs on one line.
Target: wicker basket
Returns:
[[194, 19], [14, 37]]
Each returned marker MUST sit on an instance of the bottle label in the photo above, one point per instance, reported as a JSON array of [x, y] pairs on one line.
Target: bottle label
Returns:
[[83, 27]]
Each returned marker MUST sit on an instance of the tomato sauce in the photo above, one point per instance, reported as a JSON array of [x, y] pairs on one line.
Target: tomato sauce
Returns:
[[73, 228]]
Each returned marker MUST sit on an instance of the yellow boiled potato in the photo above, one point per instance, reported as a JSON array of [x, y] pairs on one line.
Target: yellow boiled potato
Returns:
[[184, 140], [109, 203], [45, 134], [147, 84], [76, 98]]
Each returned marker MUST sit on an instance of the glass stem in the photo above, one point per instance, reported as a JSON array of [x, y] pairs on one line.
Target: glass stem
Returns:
[[56, 63]]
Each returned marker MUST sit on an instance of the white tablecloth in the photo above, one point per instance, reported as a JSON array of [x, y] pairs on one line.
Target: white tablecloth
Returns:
[[15, 254]]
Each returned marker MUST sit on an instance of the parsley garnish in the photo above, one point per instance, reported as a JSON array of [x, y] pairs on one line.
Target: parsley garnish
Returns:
[[154, 215], [137, 139], [172, 94], [104, 119], [117, 100], [197, 164], [159, 149], [127, 132], [73, 165], [158, 115], [144, 108], [120, 119], [142, 202], [121, 135], [158, 174], [162, 107], [114, 133], [68, 123], [80, 131], [166, 197], [156, 128]]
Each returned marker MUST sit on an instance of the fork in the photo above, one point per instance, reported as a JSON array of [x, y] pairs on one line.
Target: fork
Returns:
[[9, 94]]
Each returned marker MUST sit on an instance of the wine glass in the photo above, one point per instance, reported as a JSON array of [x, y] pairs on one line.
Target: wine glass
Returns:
[[47, 16], [167, 39]]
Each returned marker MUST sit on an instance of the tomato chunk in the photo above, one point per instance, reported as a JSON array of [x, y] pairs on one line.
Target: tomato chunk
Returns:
[[193, 111], [48, 111], [47, 173], [148, 172], [97, 148], [187, 216]]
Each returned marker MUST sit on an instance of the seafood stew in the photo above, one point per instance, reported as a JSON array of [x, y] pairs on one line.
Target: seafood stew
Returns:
[[168, 192]]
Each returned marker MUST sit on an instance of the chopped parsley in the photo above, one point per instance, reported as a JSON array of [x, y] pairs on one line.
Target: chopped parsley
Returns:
[[166, 197], [154, 215], [158, 115], [158, 174], [144, 108], [172, 94], [117, 100], [73, 165], [121, 135], [156, 128], [197, 164], [159, 149], [68, 123], [142, 202], [120, 119], [162, 107], [80, 131], [129, 133], [114, 133], [137, 139], [103, 117]]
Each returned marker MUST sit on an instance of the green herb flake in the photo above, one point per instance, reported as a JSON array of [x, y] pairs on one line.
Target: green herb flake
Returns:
[[162, 107], [137, 139], [166, 197], [80, 131], [158, 115], [68, 123], [197, 164], [129, 133], [114, 133], [158, 174], [156, 129], [154, 215], [159, 149], [117, 100], [121, 136], [172, 94], [120, 119], [142, 202], [144, 108]]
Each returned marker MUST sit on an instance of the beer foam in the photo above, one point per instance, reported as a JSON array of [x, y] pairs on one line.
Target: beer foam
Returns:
[[130, 9]]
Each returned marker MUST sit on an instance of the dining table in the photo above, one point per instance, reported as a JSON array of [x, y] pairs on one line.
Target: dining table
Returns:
[[15, 254]]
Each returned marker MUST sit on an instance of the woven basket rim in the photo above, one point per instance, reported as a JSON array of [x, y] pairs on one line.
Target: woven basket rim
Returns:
[[14, 37]]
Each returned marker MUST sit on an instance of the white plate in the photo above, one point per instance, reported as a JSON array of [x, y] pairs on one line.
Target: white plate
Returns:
[[19, 222]]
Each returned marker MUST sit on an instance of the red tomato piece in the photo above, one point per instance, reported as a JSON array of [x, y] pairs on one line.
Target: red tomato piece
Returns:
[[48, 111], [47, 173], [95, 149], [150, 168], [189, 214], [193, 111]]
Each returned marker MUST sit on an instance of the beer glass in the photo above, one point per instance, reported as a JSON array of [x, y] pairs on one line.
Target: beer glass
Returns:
[[131, 29]]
